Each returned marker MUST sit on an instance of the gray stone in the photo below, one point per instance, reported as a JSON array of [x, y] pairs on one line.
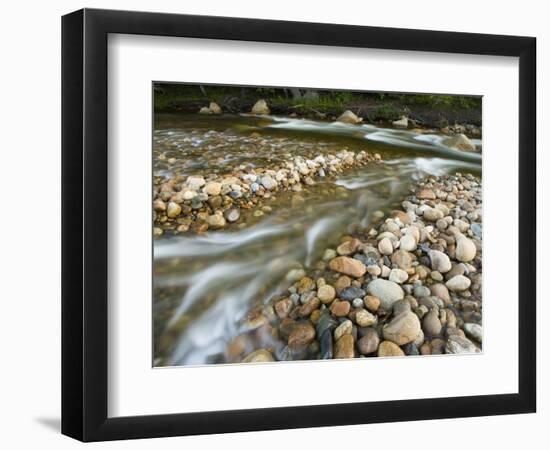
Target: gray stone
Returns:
[[387, 292]]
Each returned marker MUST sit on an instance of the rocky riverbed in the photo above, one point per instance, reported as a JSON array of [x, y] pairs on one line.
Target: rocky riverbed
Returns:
[[409, 286], [280, 239]]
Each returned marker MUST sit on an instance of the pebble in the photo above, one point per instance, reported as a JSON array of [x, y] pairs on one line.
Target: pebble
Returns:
[[212, 188], [465, 249], [326, 293], [369, 342], [348, 266], [431, 324], [295, 275], [387, 292], [268, 183], [421, 291], [232, 215], [216, 221], [357, 303], [283, 307], [474, 331], [372, 303], [440, 261], [364, 318], [385, 247], [457, 344], [348, 247], [261, 355], [173, 210], [402, 329], [301, 335], [458, 283], [344, 347], [351, 293], [340, 309], [344, 328], [398, 276], [407, 243], [388, 348]]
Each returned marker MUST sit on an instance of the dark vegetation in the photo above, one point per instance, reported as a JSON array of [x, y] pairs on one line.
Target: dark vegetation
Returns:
[[430, 110]]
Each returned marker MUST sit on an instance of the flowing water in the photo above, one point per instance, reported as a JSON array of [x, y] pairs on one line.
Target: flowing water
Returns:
[[204, 285]]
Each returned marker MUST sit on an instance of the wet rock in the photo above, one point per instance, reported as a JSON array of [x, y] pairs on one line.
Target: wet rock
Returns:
[[305, 284], [425, 194], [216, 221], [260, 107], [326, 293], [403, 328], [352, 292], [388, 348], [458, 283], [261, 355], [349, 117], [232, 215], [387, 292], [460, 142], [401, 123], [195, 182], [348, 247], [369, 342], [173, 210], [283, 307], [295, 275], [159, 205], [212, 188], [301, 335], [344, 347], [268, 183], [307, 308], [348, 266], [440, 261], [458, 345]]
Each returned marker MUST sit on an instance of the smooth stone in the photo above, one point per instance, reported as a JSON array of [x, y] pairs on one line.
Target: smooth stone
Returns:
[[402, 259], [425, 194], [357, 302], [398, 276], [411, 349], [344, 328], [457, 344], [465, 249], [283, 308], [349, 247], [440, 261], [385, 247], [351, 293], [173, 210], [329, 254], [340, 309], [421, 291], [407, 243], [326, 293], [372, 303], [294, 275], [433, 215], [348, 266], [363, 318], [458, 283], [401, 306], [216, 221], [268, 183], [232, 215], [439, 290], [402, 329], [431, 324], [474, 331], [388, 348], [212, 188], [387, 292], [369, 342], [301, 335], [344, 347], [261, 355]]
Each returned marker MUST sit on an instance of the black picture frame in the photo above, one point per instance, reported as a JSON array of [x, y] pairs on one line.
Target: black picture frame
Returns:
[[84, 224]]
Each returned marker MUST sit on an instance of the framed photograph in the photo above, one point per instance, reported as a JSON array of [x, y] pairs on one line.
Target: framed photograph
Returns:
[[273, 224]]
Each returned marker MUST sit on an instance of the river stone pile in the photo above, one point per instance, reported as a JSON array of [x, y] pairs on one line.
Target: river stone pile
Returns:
[[198, 204], [410, 286]]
